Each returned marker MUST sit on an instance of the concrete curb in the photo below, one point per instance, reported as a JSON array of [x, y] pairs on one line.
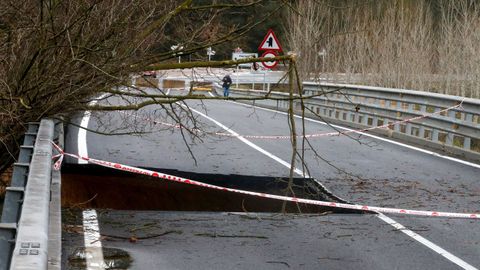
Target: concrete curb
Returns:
[[55, 223]]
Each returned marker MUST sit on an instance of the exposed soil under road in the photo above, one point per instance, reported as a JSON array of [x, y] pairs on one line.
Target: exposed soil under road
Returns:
[[94, 187]]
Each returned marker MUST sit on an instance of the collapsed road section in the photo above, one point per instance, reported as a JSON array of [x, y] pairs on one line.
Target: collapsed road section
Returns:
[[91, 186]]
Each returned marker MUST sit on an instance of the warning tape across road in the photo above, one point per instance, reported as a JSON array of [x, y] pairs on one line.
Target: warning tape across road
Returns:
[[168, 177], [324, 134]]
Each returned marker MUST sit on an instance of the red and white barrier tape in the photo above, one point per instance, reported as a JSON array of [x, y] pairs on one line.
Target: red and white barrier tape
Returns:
[[160, 175], [329, 134]]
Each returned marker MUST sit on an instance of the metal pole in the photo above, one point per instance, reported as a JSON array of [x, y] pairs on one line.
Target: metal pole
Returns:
[[264, 79], [323, 60], [237, 76]]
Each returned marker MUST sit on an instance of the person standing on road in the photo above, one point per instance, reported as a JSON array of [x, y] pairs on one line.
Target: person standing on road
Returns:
[[227, 81]]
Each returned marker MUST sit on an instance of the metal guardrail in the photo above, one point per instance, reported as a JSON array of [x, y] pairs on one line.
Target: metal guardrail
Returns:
[[14, 197], [259, 78], [456, 131], [24, 227]]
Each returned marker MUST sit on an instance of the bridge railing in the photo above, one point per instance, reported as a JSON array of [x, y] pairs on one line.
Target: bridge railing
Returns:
[[14, 196], [456, 131], [26, 222]]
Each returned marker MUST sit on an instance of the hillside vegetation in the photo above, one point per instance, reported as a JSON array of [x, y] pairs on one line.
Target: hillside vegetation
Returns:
[[429, 45]]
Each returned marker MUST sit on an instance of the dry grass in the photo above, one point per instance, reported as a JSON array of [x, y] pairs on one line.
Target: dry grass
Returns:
[[423, 45]]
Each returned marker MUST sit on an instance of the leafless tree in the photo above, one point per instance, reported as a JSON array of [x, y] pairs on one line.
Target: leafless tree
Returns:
[[55, 56], [423, 45]]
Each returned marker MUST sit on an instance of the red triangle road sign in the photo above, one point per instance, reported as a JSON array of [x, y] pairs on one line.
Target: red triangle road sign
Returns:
[[270, 42]]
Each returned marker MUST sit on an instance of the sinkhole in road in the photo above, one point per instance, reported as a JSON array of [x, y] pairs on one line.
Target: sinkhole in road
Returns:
[[90, 186]]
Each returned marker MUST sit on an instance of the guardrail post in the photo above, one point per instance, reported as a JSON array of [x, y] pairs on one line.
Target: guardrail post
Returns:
[[160, 84], [375, 121], [467, 143], [396, 127], [449, 139], [469, 117], [451, 114], [435, 135], [388, 103], [365, 119], [187, 85], [7, 240], [421, 132]]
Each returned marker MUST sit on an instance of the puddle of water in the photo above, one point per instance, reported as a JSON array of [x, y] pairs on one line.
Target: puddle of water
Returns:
[[114, 258]]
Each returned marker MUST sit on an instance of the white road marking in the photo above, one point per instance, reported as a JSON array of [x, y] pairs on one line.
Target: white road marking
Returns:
[[254, 146], [82, 137], [427, 243], [82, 132], [384, 218], [93, 245], [471, 164]]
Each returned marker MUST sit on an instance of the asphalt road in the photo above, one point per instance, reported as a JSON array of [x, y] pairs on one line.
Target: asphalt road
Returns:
[[360, 169], [168, 240]]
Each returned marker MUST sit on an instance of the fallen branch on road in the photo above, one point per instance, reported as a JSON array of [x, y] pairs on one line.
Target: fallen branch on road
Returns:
[[214, 235], [133, 238]]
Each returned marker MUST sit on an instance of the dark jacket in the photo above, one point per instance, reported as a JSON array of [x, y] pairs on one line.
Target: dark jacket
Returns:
[[226, 81]]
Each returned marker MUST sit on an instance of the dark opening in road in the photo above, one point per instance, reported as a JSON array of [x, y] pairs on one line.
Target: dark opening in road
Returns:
[[89, 186]]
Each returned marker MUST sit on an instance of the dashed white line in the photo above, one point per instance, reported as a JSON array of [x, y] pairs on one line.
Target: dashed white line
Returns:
[[254, 146], [384, 218], [93, 245]]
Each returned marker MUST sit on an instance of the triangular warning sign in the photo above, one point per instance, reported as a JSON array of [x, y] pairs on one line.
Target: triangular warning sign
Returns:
[[270, 42]]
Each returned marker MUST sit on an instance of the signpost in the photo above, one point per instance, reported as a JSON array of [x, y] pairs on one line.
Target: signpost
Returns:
[[177, 48], [270, 42], [210, 53], [242, 55], [323, 53], [271, 46]]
